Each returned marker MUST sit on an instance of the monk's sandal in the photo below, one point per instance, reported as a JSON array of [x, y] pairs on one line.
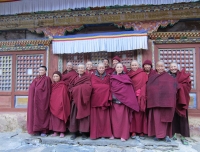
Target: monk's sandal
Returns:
[[156, 139], [184, 141]]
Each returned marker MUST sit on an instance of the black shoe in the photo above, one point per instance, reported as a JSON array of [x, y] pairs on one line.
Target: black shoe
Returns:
[[156, 139], [73, 136], [84, 136], [167, 139]]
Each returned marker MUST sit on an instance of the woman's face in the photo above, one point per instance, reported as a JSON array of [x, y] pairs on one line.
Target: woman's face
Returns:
[[173, 68], [115, 62], [147, 67], [105, 62], [119, 68], [56, 78], [41, 71], [89, 65], [134, 66], [101, 69], [160, 67], [81, 70]]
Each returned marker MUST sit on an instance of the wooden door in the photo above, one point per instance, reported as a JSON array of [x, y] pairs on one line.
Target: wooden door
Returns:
[[17, 70]]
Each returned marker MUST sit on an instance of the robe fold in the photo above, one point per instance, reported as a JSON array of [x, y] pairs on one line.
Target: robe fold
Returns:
[[161, 100], [68, 77], [139, 79], [139, 122], [180, 122], [101, 91], [100, 125], [121, 114], [122, 88], [38, 112], [89, 72], [81, 93], [183, 97], [81, 90], [59, 106], [109, 70]]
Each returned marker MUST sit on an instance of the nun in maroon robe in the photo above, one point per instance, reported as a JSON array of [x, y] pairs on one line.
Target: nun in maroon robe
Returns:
[[81, 90], [89, 71], [38, 112], [124, 102], [147, 67], [180, 123], [161, 101], [108, 69], [100, 125], [59, 106], [139, 79], [116, 60], [68, 76]]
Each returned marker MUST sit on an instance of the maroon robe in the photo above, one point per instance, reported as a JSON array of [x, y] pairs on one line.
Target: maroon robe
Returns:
[[80, 108], [100, 125], [59, 107], [109, 70], [180, 122], [38, 105], [183, 97], [161, 100], [151, 72], [125, 69], [89, 72], [139, 122], [121, 114], [68, 77]]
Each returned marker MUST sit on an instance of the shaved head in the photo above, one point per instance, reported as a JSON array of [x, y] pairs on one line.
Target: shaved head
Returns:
[[81, 65], [69, 63], [160, 62], [173, 63], [100, 64]]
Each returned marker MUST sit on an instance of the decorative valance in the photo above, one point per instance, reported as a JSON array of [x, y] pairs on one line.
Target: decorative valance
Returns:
[[110, 41], [56, 30], [150, 26], [30, 6]]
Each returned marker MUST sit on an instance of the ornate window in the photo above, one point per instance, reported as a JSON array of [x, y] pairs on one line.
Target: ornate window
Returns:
[[76, 59], [5, 73], [185, 58], [127, 57], [27, 70], [98, 57]]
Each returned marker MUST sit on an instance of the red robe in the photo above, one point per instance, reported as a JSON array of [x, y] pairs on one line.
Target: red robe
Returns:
[[38, 105], [180, 122], [68, 77], [121, 114], [139, 122], [183, 97], [125, 69], [100, 125], [89, 72], [161, 100], [80, 108], [59, 107], [109, 70]]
